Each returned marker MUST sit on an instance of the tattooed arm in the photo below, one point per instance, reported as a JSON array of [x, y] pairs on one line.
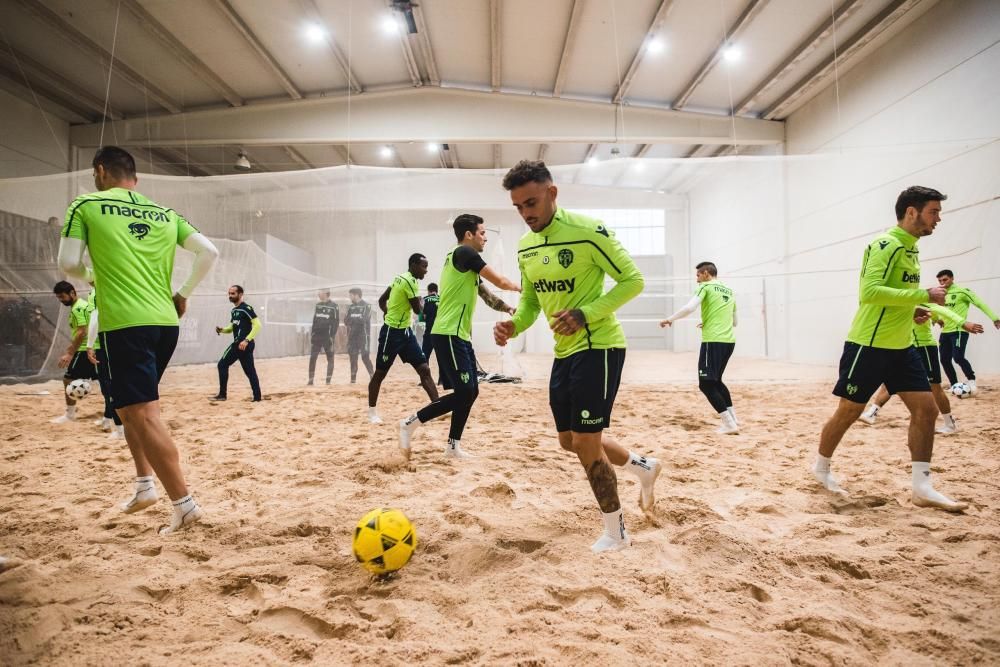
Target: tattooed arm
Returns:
[[494, 301]]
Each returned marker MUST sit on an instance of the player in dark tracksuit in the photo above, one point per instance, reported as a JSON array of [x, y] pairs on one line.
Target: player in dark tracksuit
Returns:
[[358, 320], [244, 325], [431, 302], [326, 321]]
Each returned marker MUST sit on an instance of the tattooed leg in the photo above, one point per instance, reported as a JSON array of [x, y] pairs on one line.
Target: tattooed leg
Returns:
[[600, 473]]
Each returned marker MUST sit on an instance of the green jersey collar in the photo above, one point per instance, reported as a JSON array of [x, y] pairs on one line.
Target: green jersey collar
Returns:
[[907, 239], [551, 228]]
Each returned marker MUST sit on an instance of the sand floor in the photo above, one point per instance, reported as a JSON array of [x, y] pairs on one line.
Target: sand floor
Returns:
[[743, 560]]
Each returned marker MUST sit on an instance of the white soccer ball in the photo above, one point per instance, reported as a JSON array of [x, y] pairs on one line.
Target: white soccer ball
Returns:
[[961, 390], [78, 389]]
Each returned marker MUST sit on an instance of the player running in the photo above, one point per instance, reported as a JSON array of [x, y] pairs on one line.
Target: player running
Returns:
[[74, 359], [396, 338], [927, 349], [718, 340], [954, 340], [244, 325], [132, 243], [461, 284], [878, 349], [564, 259]]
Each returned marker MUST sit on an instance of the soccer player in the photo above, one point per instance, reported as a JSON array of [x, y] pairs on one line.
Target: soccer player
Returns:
[[326, 321], [718, 340], [954, 340], [358, 321], [878, 349], [564, 259], [110, 422], [431, 302], [244, 325], [132, 243], [396, 337], [927, 349], [74, 359], [461, 283]]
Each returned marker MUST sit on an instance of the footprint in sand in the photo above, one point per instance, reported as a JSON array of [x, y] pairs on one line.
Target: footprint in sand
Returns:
[[295, 622], [586, 596], [498, 491], [524, 546]]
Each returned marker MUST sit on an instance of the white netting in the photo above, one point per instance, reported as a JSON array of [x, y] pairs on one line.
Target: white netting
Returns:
[[786, 232]]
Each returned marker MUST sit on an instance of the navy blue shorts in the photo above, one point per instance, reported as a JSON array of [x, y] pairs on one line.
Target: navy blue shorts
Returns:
[[400, 343], [932, 364], [137, 358], [863, 369], [457, 360], [80, 368], [583, 387]]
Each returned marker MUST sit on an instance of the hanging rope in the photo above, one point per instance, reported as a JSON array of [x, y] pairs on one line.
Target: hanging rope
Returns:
[[111, 67]]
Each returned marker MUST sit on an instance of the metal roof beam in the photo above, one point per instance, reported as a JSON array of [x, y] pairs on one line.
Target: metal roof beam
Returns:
[[810, 44], [182, 53], [752, 9], [423, 39], [54, 86], [848, 49], [496, 43], [248, 35], [376, 118], [571, 30], [87, 45], [654, 27], [338, 55]]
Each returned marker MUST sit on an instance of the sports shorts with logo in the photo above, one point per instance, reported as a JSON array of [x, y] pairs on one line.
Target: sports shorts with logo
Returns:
[[137, 358], [712, 360], [932, 363], [457, 360], [863, 369], [400, 343], [80, 368], [582, 389]]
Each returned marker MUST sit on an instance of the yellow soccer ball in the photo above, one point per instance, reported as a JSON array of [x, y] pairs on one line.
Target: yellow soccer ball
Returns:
[[384, 540]]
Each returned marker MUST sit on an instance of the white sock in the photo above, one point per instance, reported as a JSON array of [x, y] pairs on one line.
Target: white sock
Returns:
[[732, 413], [407, 427], [822, 464], [71, 411], [948, 419], [637, 464], [454, 449], [647, 469], [872, 409], [821, 470], [372, 412], [186, 512], [615, 536], [145, 495]]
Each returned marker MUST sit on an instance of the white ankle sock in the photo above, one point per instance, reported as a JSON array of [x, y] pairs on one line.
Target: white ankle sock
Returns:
[[407, 427], [615, 536], [71, 411], [822, 464], [145, 495], [186, 512]]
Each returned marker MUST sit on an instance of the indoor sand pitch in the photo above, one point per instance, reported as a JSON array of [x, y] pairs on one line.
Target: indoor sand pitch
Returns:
[[742, 561]]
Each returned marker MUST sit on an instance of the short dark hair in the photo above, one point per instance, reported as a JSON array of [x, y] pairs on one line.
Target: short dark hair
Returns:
[[526, 171], [239, 289], [432, 287], [354, 290], [63, 287], [415, 258], [916, 196], [946, 272], [466, 223], [325, 290], [708, 267], [116, 161]]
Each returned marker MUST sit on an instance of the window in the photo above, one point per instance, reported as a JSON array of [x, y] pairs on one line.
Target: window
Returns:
[[641, 230]]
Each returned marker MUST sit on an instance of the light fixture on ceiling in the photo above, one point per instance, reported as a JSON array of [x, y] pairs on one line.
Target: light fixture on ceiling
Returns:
[[731, 54], [592, 160], [654, 46], [315, 32], [386, 152], [242, 162], [390, 25], [405, 9], [433, 148]]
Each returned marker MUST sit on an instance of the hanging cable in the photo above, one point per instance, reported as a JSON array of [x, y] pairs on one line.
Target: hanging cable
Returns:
[[111, 67]]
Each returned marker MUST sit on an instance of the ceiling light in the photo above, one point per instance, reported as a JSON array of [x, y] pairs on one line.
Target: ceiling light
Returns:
[[390, 25], [433, 148], [731, 54], [654, 46], [242, 163], [639, 166], [386, 152], [592, 160], [315, 32]]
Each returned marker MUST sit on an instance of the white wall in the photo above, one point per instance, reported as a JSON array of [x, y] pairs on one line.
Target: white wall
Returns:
[[923, 109], [27, 145]]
